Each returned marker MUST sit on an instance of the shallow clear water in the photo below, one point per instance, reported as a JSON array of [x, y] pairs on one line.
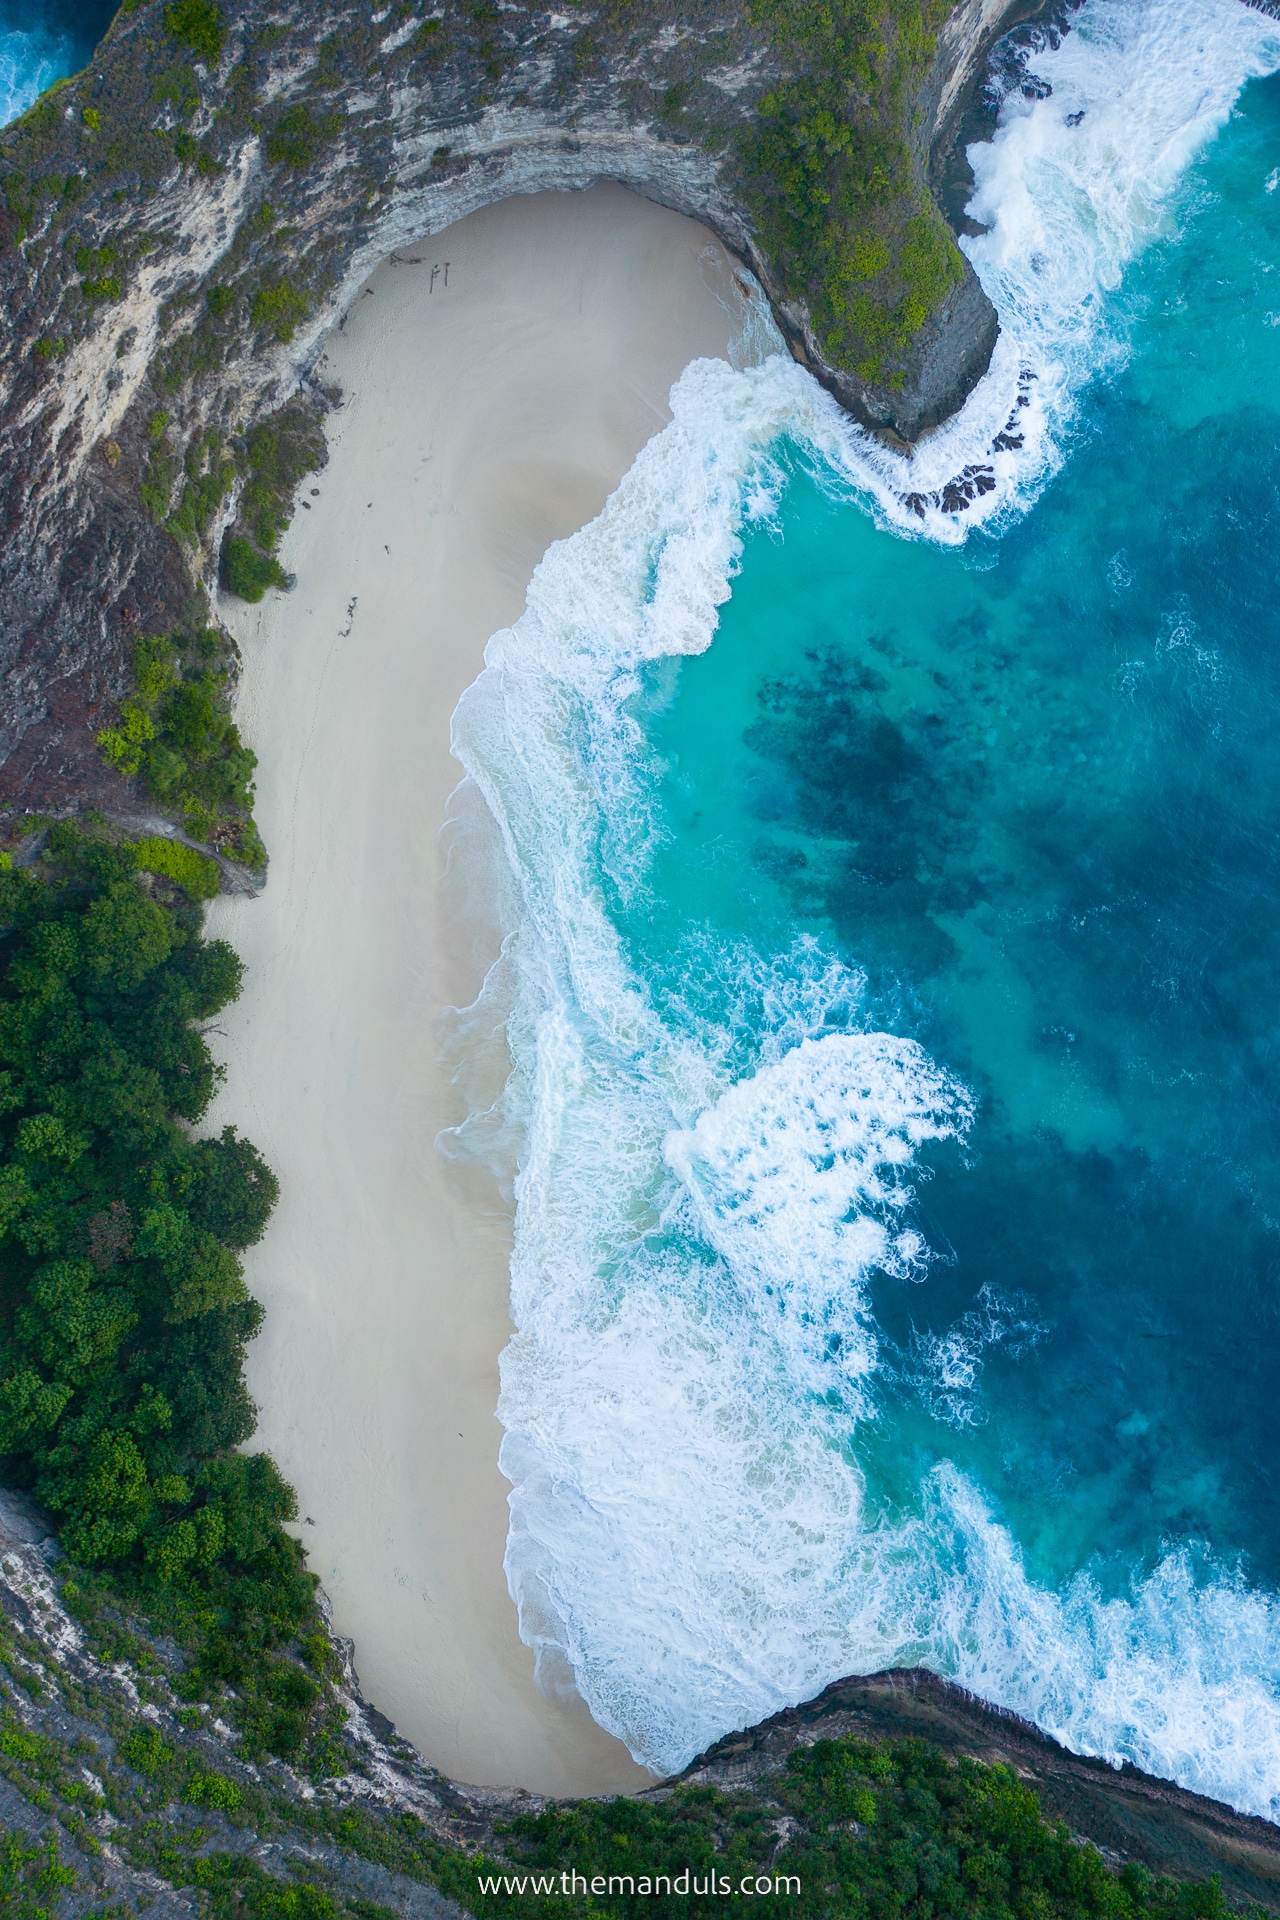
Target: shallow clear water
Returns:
[[894, 992], [42, 41]]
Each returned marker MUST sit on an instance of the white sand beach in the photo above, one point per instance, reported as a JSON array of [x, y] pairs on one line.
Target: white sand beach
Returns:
[[486, 414]]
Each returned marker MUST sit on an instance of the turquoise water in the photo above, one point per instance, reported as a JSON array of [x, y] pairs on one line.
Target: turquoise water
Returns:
[[42, 41], [1032, 789], [894, 988]]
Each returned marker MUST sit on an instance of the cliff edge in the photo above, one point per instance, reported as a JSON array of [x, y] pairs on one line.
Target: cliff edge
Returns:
[[182, 221]]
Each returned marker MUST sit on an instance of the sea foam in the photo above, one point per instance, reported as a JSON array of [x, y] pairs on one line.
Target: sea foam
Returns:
[[708, 1182], [31, 59], [1073, 186]]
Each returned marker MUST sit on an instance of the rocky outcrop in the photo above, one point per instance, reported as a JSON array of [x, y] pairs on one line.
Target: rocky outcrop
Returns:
[[1125, 1813], [183, 221]]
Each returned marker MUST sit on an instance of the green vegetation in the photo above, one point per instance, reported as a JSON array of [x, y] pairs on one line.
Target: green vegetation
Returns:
[[838, 192], [213, 1790], [248, 573], [238, 1889], [176, 733], [197, 25], [144, 1750], [277, 455], [848, 1831], [209, 471], [892, 1832], [197, 875], [123, 1309], [106, 286], [298, 137], [99, 283], [30, 1876], [156, 488], [279, 308], [94, 259]]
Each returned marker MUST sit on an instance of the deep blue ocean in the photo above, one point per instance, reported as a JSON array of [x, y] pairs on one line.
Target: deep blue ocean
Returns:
[[893, 987], [42, 41]]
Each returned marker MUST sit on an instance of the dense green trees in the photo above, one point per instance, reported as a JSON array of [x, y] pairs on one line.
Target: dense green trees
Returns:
[[898, 1831], [198, 876], [248, 573], [123, 1309]]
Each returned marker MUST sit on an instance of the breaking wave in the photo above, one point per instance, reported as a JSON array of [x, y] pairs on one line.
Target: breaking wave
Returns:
[[707, 1184], [1094, 139], [40, 42]]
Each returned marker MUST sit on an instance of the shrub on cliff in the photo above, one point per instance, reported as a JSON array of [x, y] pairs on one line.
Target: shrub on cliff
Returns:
[[829, 170], [299, 135], [899, 1831], [197, 875], [31, 1877], [278, 309], [248, 573], [197, 25], [278, 454]]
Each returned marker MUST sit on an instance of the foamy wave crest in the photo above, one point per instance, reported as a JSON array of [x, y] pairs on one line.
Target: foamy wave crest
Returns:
[[796, 1178], [707, 1181], [1178, 1675], [1073, 186]]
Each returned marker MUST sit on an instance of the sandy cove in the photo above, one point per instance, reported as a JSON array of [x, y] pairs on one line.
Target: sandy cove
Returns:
[[489, 408]]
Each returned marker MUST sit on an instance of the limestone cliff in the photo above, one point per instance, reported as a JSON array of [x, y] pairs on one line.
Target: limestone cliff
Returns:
[[182, 221]]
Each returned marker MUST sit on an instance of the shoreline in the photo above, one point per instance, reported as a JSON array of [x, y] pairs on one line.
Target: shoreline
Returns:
[[481, 420]]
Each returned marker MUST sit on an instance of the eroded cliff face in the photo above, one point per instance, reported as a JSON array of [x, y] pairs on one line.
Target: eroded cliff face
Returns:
[[183, 221]]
